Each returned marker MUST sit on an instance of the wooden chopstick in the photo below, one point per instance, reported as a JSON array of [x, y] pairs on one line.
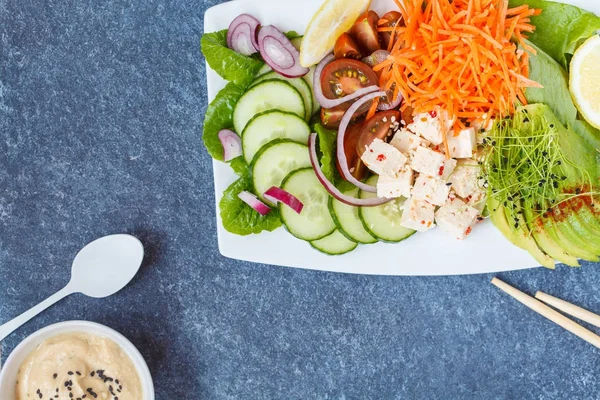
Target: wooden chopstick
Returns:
[[549, 313], [571, 309]]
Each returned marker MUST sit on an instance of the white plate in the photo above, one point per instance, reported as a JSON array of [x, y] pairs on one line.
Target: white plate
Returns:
[[432, 253]]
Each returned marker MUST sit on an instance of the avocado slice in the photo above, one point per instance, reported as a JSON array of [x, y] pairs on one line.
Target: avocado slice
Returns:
[[546, 239], [517, 234], [570, 239], [588, 211]]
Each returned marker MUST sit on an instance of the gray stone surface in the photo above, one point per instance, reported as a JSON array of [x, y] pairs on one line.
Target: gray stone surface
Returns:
[[101, 106]]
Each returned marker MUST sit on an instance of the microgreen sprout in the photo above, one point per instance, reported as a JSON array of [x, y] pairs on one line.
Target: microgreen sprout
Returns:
[[526, 167]]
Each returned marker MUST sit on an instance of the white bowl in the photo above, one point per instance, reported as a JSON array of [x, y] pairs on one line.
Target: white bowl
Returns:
[[10, 369]]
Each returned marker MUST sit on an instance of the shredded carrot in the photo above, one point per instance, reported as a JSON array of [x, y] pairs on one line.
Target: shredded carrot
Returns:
[[461, 56], [373, 109]]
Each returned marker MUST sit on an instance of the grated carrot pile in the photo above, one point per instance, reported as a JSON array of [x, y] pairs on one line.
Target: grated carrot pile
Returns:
[[461, 56]]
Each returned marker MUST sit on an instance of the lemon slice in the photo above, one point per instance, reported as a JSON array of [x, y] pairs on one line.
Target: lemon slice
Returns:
[[585, 80], [333, 18]]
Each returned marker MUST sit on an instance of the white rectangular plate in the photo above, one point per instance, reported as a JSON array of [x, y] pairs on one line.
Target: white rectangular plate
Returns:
[[431, 253]]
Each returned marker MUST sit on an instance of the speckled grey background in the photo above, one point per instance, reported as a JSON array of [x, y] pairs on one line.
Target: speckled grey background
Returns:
[[101, 106]]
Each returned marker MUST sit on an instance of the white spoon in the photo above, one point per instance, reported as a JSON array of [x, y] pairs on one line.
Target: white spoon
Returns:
[[100, 269]]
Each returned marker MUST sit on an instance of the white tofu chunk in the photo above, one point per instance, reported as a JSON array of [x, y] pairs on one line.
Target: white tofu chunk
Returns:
[[457, 218], [429, 126], [432, 163], [418, 215], [432, 190], [407, 142], [465, 178], [384, 159], [391, 188], [462, 145]]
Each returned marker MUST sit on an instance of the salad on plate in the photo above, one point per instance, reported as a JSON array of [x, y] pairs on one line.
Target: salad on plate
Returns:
[[438, 114]]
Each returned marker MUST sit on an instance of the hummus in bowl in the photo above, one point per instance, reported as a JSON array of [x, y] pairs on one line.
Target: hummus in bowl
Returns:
[[76, 360]]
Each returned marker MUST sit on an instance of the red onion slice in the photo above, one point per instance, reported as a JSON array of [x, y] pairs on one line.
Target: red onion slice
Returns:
[[232, 144], [330, 103], [341, 154], [279, 53], [385, 106], [277, 195], [377, 57], [330, 187], [242, 33], [254, 202]]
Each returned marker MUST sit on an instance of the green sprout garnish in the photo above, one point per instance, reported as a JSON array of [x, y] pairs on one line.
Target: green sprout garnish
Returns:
[[526, 167]]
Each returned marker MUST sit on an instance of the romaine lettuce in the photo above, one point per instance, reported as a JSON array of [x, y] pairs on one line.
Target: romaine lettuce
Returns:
[[556, 95], [560, 29], [230, 65], [219, 115], [241, 219]]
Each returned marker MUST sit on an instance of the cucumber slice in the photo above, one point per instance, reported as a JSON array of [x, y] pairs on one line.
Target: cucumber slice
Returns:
[[271, 125], [335, 244], [273, 94], [348, 221], [309, 79], [383, 222], [265, 69], [275, 161], [300, 84], [314, 222]]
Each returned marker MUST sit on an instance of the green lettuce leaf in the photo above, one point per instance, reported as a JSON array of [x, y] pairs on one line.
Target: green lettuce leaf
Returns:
[[241, 219], [230, 65], [560, 29], [327, 146], [556, 95], [219, 115]]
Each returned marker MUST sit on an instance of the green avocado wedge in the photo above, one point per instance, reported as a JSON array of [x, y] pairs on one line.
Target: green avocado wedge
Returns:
[[574, 241], [546, 239], [517, 234], [587, 208], [540, 173]]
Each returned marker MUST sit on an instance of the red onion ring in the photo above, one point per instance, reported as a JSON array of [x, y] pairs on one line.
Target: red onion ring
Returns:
[[377, 57], [232, 144], [254, 202], [277, 195], [330, 103], [242, 33], [341, 154], [281, 55], [384, 106], [330, 187]]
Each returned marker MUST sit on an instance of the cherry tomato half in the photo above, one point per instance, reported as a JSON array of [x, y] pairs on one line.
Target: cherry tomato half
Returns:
[[346, 47], [364, 31], [343, 77], [331, 117], [378, 127], [391, 19], [357, 168]]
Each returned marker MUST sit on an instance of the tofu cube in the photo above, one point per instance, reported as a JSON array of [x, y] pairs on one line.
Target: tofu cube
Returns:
[[457, 218], [432, 190], [464, 144], [407, 142], [418, 215], [391, 188], [465, 178], [429, 126], [384, 159], [432, 163]]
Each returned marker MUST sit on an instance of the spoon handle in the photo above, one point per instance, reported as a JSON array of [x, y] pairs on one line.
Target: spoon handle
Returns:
[[16, 323]]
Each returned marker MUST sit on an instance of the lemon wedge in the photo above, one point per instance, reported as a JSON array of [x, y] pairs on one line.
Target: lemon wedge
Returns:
[[584, 81], [333, 18]]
